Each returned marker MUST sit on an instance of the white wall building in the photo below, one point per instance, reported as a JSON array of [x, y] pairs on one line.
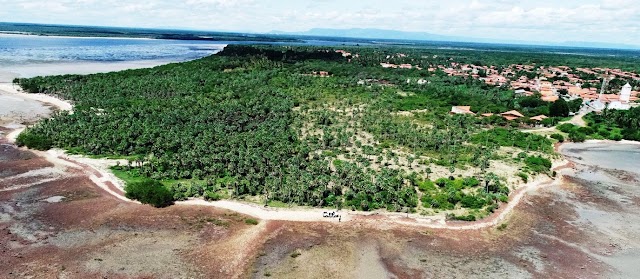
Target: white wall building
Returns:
[[625, 94]]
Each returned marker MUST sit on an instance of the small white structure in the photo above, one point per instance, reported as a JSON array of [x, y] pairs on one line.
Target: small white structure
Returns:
[[625, 94], [617, 105], [521, 92]]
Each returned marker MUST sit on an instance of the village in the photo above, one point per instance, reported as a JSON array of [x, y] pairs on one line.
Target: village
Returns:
[[596, 87]]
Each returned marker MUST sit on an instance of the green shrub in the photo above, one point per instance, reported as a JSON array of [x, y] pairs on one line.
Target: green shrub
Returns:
[[492, 208], [251, 221], [471, 182], [473, 202], [34, 141], [558, 137], [426, 186], [524, 177], [441, 182], [212, 196], [576, 136], [538, 164], [468, 218], [502, 227], [149, 192], [567, 128]]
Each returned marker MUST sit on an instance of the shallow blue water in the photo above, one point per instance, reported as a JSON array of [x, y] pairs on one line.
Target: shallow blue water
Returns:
[[19, 49]]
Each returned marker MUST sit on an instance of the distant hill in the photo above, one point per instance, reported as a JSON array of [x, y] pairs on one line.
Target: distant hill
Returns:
[[372, 33]]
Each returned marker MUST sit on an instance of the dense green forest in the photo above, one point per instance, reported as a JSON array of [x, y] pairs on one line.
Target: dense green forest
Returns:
[[261, 122]]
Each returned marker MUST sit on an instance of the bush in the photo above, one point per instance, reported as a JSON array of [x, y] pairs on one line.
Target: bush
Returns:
[[502, 227], [473, 202], [34, 141], [524, 177], [576, 136], [468, 218], [426, 186], [149, 192], [211, 196], [471, 182], [567, 128], [251, 221], [558, 137], [538, 164], [441, 182]]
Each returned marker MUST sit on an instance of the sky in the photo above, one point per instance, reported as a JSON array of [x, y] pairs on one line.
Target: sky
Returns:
[[609, 21]]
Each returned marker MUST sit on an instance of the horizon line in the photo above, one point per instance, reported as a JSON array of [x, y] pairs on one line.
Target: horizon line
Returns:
[[461, 39]]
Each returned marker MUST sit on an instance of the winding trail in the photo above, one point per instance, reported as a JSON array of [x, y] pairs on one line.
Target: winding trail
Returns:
[[99, 173]]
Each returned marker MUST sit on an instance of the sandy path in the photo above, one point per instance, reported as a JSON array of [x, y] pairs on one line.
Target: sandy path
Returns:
[[98, 171], [578, 119]]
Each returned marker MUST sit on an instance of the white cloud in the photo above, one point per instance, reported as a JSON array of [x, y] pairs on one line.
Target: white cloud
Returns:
[[551, 20]]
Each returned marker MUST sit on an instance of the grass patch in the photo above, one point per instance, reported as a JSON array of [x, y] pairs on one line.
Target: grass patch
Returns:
[[127, 176], [251, 221], [502, 227], [277, 204]]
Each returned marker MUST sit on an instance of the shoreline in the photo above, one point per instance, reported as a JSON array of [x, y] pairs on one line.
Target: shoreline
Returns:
[[15, 90]]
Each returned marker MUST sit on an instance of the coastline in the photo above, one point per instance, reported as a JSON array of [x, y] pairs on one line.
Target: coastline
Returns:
[[15, 90], [99, 173]]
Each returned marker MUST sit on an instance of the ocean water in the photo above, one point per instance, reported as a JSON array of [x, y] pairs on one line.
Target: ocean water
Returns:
[[21, 49], [28, 56]]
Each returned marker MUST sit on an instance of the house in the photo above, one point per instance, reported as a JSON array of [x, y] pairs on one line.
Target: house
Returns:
[[512, 115], [486, 114], [550, 98], [539, 118], [461, 110]]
